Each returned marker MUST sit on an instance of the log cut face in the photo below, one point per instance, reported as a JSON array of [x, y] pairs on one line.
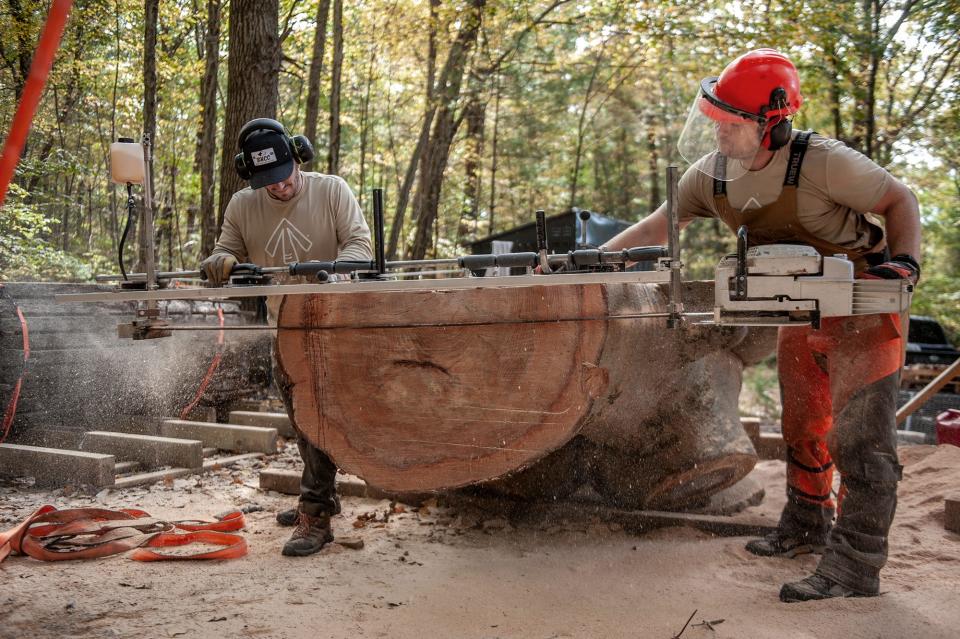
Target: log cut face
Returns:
[[421, 390]]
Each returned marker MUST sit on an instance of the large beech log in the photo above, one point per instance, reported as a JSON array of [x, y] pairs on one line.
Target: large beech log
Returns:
[[419, 391], [411, 408]]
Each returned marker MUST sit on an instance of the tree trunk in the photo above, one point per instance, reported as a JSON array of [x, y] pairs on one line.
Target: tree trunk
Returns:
[[493, 159], [333, 150], [653, 157], [475, 115], [151, 9], [207, 147], [252, 72], [430, 109], [475, 384], [365, 125], [444, 128], [581, 132], [313, 78]]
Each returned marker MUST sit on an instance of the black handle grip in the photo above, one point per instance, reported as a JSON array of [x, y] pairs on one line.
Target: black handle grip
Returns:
[[541, 231]]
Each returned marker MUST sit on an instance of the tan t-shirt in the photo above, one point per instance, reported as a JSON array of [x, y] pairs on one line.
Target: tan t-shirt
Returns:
[[322, 222], [837, 186]]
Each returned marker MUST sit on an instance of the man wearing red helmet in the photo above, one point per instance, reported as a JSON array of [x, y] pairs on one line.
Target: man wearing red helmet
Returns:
[[839, 382]]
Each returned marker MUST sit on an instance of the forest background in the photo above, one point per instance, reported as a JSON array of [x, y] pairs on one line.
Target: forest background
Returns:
[[471, 114]]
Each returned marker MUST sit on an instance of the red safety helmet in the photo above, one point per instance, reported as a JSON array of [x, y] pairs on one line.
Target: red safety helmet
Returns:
[[762, 85]]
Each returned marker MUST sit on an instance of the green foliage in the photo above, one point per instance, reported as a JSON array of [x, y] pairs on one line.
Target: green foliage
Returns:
[[25, 254]]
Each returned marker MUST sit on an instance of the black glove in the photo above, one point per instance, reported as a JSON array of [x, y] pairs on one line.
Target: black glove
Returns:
[[898, 267]]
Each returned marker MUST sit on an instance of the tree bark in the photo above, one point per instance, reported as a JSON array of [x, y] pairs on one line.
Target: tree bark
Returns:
[[252, 72], [333, 150], [313, 78], [207, 147]]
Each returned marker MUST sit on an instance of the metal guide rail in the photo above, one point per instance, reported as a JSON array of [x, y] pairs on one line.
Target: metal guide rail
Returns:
[[585, 265]]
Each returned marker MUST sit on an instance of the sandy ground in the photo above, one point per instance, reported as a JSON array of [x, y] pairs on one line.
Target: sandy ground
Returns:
[[431, 571]]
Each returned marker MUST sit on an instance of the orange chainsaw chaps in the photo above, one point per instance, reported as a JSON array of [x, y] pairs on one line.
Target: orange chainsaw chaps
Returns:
[[819, 371]]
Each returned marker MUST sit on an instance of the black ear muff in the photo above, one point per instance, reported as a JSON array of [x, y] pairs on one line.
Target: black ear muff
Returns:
[[242, 169], [780, 133], [302, 149]]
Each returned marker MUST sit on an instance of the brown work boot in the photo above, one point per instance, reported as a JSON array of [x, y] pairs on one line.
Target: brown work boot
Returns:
[[310, 535]]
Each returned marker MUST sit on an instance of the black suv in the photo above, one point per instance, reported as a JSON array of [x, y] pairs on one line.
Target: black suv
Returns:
[[927, 342]]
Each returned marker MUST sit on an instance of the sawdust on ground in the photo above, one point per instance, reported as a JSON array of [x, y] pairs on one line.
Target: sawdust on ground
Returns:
[[430, 571]]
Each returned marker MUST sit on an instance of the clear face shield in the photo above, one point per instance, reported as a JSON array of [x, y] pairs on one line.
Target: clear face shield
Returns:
[[717, 131]]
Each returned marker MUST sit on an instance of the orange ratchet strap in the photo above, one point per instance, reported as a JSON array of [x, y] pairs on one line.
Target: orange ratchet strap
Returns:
[[89, 533]]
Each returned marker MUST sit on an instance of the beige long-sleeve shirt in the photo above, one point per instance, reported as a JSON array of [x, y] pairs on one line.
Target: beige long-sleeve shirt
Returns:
[[322, 222]]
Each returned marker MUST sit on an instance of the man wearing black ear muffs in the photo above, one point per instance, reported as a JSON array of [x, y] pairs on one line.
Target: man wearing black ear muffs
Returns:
[[289, 215], [839, 382]]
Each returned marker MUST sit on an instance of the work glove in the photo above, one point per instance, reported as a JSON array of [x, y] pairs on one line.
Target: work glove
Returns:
[[898, 267], [217, 268]]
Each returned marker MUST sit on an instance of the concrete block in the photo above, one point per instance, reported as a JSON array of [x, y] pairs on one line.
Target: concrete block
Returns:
[[282, 481], [770, 446], [55, 467], [952, 515], [230, 437], [752, 427], [280, 421], [146, 449]]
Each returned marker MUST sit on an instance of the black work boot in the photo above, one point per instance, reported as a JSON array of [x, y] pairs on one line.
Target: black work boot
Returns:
[[802, 529], [287, 517], [312, 534], [781, 543], [817, 587]]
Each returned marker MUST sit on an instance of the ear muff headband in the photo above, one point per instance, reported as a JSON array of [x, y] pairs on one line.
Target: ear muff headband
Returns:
[[300, 147]]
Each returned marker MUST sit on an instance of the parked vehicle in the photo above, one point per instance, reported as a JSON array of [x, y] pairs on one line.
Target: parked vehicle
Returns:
[[928, 353], [927, 343]]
